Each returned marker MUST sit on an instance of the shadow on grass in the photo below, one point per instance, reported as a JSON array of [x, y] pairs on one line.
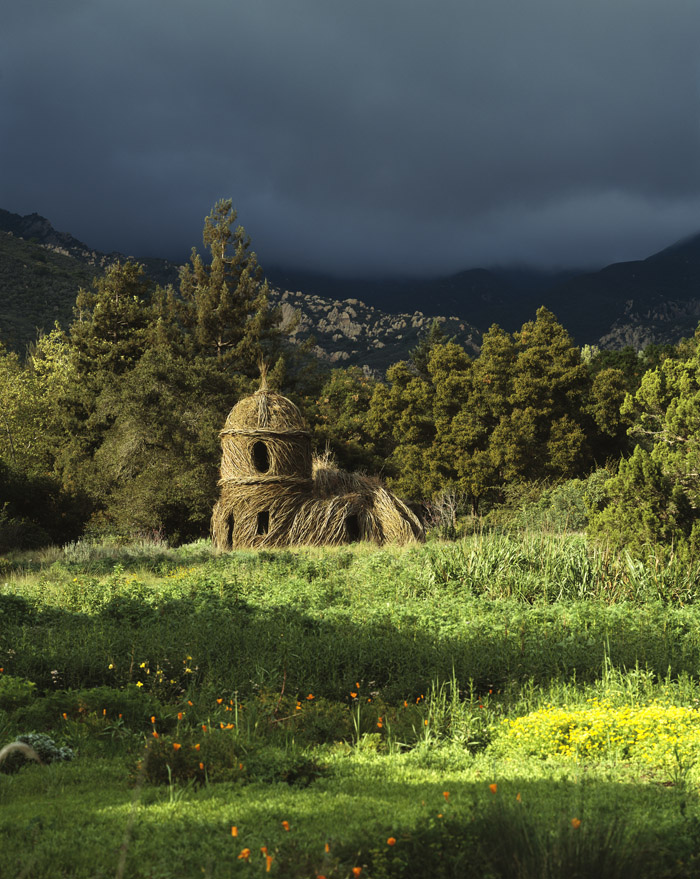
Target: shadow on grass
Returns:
[[625, 830], [225, 642]]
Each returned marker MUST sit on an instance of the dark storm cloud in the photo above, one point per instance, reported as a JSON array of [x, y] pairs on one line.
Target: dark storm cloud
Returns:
[[388, 135]]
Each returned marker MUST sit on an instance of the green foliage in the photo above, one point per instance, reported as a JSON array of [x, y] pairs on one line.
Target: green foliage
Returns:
[[524, 409], [340, 414], [15, 692], [655, 497], [35, 510]]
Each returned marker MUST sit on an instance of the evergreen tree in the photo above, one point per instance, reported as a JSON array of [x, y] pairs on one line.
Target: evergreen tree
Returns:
[[223, 305], [544, 432]]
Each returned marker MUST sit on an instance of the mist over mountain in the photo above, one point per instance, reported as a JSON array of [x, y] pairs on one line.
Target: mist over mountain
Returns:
[[373, 322]]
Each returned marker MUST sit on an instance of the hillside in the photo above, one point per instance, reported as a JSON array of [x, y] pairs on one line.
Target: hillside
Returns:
[[374, 322], [41, 272]]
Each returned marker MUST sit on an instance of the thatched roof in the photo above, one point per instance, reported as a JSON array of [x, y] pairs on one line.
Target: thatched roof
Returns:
[[265, 411]]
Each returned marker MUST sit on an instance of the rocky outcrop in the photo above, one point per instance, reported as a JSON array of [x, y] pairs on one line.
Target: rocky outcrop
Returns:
[[352, 333]]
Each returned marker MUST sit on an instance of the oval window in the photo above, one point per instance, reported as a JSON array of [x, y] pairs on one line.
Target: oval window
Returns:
[[261, 457]]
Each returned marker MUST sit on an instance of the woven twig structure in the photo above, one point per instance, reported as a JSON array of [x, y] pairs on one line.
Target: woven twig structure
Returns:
[[274, 494]]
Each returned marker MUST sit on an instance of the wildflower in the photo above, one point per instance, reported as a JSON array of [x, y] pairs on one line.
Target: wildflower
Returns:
[[268, 862], [189, 703], [153, 719], [493, 788], [176, 746], [298, 706], [263, 849], [240, 766], [104, 712], [446, 794], [139, 684], [197, 746], [111, 665], [576, 823], [155, 734], [221, 725], [204, 727], [405, 704], [234, 830], [285, 824], [439, 814], [518, 797], [245, 854], [65, 716], [201, 766], [425, 722], [379, 723], [391, 841], [229, 726], [356, 871], [328, 847], [219, 701], [310, 697], [120, 717], [143, 665], [357, 684], [179, 715], [354, 695]]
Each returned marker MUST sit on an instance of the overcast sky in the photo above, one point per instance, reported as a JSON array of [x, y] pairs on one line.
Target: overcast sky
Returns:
[[360, 136]]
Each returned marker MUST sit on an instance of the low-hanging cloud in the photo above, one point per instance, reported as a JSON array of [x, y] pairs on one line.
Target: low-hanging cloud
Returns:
[[392, 136]]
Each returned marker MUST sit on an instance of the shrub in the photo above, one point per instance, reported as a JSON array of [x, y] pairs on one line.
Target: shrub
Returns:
[[46, 748]]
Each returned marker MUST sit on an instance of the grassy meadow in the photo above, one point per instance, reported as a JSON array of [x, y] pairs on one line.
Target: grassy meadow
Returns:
[[500, 706]]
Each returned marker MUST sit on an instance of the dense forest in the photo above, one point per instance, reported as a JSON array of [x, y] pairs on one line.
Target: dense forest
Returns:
[[111, 426]]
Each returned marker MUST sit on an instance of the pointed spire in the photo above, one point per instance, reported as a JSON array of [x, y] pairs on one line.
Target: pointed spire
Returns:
[[262, 395]]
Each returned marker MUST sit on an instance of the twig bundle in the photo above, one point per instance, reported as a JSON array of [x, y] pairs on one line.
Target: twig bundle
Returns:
[[274, 494]]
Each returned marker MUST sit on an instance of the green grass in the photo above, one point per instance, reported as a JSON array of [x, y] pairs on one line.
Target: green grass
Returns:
[[344, 691]]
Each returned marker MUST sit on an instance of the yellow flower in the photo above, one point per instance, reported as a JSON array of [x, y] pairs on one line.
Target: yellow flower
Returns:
[[245, 854], [234, 830], [139, 684]]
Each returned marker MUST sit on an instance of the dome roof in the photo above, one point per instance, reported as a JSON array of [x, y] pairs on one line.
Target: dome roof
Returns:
[[265, 410]]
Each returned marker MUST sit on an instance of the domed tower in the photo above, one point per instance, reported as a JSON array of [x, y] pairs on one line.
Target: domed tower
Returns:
[[265, 471]]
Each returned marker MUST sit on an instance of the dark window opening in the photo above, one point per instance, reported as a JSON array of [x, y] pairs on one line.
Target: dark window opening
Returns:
[[261, 457], [352, 528], [263, 522], [230, 530]]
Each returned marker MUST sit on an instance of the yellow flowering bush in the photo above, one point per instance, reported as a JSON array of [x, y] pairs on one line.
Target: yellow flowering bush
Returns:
[[655, 734]]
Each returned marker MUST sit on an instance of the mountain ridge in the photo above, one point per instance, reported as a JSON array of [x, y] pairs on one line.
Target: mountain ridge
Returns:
[[373, 322]]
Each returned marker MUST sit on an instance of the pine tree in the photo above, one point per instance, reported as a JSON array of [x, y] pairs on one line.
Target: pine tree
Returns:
[[224, 302]]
